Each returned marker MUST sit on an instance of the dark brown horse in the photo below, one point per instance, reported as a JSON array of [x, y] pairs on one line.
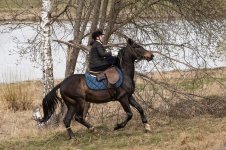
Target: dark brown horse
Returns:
[[75, 92]]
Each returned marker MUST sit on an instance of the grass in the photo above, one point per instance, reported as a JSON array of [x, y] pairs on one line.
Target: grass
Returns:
[[194, 84], [17, 4], [17, 97], [196, 133]]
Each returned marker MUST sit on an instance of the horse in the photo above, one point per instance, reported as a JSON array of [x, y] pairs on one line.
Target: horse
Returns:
[[75, 93]]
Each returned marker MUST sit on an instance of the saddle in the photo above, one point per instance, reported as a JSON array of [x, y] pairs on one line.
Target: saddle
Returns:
[[111, 74], [111, 78]]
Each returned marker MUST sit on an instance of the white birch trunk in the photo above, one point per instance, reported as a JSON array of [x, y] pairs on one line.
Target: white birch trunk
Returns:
[[47, 61]]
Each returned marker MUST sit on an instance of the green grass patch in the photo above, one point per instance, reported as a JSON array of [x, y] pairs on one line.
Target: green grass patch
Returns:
[[193, 84]]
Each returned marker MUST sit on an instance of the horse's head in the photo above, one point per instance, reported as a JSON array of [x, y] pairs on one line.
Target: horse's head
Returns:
[[138, 52]]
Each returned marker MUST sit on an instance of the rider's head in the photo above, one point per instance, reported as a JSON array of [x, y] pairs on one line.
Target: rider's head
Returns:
[[97, 35]]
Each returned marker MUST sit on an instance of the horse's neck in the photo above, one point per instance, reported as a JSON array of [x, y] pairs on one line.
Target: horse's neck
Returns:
[[128, 68], [126, 63]]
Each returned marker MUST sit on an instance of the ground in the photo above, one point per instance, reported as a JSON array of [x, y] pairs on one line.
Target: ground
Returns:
[[204, 132], [197, 124]]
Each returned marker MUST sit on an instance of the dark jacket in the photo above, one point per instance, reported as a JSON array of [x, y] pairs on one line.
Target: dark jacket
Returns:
[[98, 56]]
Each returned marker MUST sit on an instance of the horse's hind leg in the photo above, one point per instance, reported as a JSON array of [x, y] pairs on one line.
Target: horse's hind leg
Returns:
[[125, 104], [136, 105], [79, 115], [67, 120]]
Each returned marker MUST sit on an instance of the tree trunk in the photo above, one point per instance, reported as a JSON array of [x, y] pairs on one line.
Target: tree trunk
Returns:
[[95, 17], [46, 54], [113, 14], [47, 61], [72, 53], [103, 14]]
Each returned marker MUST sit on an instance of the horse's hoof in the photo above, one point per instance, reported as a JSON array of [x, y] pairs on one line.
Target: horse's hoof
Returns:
[[92, 129], [71, 137], [147, 127], [118, 126]]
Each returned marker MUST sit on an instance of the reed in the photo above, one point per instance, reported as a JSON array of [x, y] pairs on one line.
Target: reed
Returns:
[[16, 95]]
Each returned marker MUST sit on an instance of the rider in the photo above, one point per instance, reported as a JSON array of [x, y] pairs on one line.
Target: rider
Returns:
[[99, 58]]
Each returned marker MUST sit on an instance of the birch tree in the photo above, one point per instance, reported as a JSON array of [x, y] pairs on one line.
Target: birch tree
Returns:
[[46, 54]]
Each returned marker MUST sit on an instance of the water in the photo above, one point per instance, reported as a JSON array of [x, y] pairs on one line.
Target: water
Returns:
[[13, 67]]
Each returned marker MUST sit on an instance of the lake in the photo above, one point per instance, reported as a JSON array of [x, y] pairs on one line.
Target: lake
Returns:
[[13, 67]]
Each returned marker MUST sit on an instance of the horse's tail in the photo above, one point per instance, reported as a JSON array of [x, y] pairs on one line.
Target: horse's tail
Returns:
[[49, 104]]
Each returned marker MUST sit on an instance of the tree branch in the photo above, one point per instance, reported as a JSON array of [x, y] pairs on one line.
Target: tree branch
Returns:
[[86, 49]]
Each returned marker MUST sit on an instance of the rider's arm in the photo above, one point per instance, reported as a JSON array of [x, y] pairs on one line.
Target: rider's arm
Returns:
[[102, 52]]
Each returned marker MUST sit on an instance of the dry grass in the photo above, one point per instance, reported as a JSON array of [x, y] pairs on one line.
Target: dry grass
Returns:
[[180, 134], [204, 130], [16, 96]]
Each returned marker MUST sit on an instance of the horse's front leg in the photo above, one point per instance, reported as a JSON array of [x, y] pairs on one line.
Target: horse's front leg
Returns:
[[125, 104], [136, 105]]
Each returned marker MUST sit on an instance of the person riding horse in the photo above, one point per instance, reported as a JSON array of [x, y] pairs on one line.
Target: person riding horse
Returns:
[[75, 92], [99, 58]]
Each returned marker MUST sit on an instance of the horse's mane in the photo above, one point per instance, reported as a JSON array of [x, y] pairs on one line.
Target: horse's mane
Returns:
[[119, 56], [120, 52]]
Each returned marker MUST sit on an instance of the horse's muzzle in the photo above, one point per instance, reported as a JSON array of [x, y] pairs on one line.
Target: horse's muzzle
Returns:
[[148, 56]]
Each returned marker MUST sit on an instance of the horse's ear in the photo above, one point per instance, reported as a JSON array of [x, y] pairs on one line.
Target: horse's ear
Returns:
[[130, 41]]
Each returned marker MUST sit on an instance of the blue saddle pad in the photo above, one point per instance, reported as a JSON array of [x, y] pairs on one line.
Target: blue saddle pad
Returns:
[[93, 84]]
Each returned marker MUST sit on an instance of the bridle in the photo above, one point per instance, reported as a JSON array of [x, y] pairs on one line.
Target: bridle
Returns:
[[132, 49]]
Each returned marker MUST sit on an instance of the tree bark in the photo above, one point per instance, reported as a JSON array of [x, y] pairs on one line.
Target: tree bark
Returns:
[[46, 54], [95, 18], [47, 61], [113, 14], [72, 53]]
